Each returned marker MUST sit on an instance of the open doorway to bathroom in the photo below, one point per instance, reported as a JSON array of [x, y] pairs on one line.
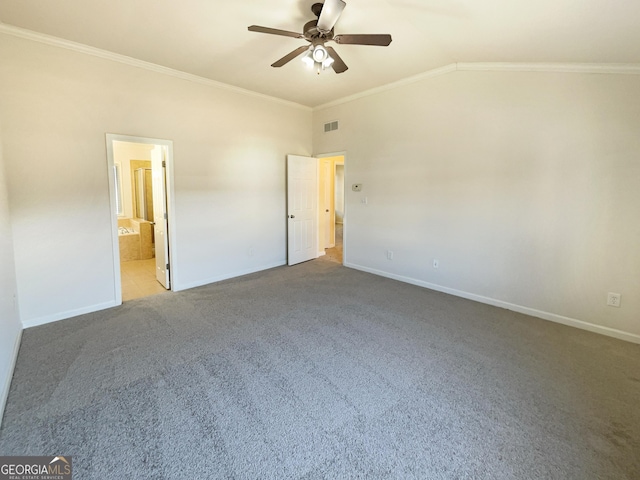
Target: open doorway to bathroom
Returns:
[[332, 206], [138, 181]]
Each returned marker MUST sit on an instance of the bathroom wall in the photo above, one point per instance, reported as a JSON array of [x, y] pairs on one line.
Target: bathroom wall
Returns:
[[230, 147], [123, 153]]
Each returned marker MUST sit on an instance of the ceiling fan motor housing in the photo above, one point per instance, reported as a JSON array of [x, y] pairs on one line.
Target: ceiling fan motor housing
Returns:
[[312, 33]]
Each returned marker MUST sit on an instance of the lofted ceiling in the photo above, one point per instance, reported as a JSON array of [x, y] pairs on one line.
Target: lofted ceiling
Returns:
[[209, 38]]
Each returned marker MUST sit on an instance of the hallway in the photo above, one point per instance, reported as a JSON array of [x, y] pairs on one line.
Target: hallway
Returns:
[[335, 254]]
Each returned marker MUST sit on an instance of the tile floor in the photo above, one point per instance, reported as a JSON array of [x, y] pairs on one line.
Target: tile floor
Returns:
[[139, 279], [139, 276]]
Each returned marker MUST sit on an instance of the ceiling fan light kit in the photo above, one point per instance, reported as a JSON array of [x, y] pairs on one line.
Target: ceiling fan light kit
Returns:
[[320, 53], [318, 32], [317, 56]]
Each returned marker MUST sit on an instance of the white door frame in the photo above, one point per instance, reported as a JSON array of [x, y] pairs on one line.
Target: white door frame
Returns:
[[110, 138], [344, 222], [160, 216]]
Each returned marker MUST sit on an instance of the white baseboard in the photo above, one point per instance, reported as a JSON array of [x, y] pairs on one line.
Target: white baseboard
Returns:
[[4, 393], [176, 288], [185, 286], [34, 322], [552, 317]]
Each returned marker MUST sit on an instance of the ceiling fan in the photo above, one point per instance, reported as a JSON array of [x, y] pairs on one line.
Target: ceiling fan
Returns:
[[319, 31]]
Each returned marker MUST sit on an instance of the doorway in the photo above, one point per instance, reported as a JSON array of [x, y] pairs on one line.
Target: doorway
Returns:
[[332, 206], [139, 184]]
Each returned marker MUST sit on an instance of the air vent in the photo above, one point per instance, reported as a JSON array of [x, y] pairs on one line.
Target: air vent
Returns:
[[330, 127]]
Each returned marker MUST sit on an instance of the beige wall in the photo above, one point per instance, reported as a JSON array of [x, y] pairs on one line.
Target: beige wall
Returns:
[[340, 188], [523, 185], [56, 106], [10, 326]]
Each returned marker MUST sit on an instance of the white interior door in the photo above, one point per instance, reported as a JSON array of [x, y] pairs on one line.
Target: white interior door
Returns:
[[302, 208], [158, 176]]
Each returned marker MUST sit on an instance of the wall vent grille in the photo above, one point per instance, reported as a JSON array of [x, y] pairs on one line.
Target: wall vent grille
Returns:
[[330, 127]]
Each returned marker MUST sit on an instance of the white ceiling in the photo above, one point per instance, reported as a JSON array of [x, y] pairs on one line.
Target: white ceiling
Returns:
[[209, 38]]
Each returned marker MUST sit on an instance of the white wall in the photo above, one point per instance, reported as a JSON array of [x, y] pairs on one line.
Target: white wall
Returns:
[[56, 106], [525, 187], [10, 326]]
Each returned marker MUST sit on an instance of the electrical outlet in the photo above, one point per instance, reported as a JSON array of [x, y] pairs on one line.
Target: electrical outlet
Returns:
[[250, 251], [613, 299], [436, 263], [364, 200], [389, 255]]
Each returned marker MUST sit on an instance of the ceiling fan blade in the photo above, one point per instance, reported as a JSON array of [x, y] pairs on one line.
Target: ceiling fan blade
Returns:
[[274, 31], [338, 64], [331, 10], [379, 40], [290, 56]]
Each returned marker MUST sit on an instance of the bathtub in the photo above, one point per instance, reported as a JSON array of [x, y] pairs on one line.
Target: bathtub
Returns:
[[129, 244], [136, 239]]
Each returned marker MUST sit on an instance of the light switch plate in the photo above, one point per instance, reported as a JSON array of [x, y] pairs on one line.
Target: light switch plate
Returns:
[[356, 187]]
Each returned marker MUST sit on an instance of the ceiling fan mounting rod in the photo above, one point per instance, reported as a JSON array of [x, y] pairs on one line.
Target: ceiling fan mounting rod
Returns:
[[316, 8]]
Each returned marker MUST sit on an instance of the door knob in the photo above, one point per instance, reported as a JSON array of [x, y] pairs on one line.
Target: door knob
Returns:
[[292, 216], [327, 210]]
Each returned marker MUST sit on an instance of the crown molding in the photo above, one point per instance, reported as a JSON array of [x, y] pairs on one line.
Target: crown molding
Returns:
[[596, 68], [134, 62], [588, 68], [593, 68]]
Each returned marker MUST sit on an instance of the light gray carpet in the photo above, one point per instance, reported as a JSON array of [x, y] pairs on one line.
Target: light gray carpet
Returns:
[[320, 371]]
